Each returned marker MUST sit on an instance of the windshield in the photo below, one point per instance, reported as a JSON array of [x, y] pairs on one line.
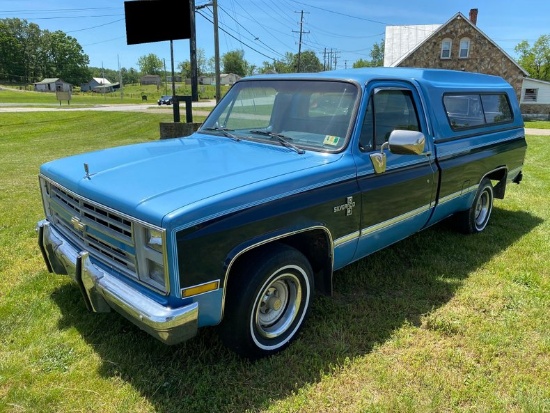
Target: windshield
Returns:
[[308, 114]]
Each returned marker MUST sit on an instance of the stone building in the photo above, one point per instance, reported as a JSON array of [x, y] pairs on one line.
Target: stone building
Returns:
[[457, 44]]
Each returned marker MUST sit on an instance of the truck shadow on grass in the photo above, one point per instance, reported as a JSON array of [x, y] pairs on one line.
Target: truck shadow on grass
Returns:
[[373, 298]]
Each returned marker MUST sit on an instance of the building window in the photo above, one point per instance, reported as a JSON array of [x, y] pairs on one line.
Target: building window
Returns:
[[464, 48], [446, 48], [530, 95]]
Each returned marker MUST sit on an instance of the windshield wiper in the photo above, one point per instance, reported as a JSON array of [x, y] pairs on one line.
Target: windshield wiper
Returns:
[[284, 140], [224, 132]]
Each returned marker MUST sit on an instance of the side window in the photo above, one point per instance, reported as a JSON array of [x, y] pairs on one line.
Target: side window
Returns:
[[496, 108], [388, 110], [474, 110], [464, 52], [366, 138], [446, 48]]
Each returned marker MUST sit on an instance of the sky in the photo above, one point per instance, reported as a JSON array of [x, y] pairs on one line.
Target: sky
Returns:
[[265, 30]]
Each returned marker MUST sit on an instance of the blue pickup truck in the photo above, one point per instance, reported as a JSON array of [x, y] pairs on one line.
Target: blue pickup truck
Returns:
[[290, 178]]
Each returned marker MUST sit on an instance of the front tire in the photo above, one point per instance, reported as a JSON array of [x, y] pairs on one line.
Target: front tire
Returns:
[[268, 302], [476, 218]]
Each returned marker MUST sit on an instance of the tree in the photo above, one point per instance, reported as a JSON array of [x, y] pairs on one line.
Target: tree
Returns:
[[150, 64], [129, 76], [279, 66], [362, 63], [28, 54], [377, 56], [309, 62], [185, 67], [233, 62], [67, 59], [536, 59], [201, 62], [11, 62]]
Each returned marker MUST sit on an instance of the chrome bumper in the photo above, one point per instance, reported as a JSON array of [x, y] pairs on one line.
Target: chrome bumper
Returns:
[[103, 291]]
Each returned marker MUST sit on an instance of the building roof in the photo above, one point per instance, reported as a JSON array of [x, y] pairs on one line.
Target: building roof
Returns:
[[422, 35], [49, 80], [542, 82], [101, 80]]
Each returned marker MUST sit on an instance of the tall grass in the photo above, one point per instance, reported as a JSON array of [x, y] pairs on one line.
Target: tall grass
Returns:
[[438, 322]]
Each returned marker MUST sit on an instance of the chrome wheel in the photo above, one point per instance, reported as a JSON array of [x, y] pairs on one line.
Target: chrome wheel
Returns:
[[277, 306], [482, 210], [477, 217]]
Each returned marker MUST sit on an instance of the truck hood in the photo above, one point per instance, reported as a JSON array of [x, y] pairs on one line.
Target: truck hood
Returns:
[[151, 180]]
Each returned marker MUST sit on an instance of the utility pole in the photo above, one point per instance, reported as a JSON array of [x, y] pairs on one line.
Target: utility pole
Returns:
[[216, 49], [120, 78], [300, 42], [193, 53], [214, 5]]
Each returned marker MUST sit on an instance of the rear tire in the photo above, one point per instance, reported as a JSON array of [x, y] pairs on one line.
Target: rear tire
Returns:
[[267, 303], [476, 218]]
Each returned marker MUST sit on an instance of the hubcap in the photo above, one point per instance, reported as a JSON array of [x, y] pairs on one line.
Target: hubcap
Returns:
[[278, 306], [482, 209]]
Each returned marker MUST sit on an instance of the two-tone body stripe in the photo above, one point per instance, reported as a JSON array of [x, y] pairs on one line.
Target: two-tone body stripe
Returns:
[[394, 221], [458, 194], [444, 152], [401, 218]]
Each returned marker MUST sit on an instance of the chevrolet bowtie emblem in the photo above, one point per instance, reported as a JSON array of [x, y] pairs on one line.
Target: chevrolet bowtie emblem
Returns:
[[77, 224]]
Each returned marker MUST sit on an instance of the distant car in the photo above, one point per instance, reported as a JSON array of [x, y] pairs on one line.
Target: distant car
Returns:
[[165, 100]]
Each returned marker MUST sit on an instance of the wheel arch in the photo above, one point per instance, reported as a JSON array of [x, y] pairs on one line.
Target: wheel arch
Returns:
[[315, 243], [500, 176]]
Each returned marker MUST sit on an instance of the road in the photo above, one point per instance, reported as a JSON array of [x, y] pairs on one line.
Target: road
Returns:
[[17, 107]]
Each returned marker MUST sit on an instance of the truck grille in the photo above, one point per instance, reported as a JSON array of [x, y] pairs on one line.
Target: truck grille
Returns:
[[105, 233]]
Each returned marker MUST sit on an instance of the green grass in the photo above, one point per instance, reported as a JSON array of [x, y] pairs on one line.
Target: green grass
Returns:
[[537, 124], [440, 322]]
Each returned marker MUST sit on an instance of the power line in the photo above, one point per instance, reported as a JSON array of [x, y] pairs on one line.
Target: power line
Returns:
[[256, 38], [232, 36]]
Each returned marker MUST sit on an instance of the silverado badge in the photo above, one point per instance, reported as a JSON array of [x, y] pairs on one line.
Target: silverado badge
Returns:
[[347, 206]]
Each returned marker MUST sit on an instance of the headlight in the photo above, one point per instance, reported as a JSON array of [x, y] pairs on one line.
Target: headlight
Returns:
[[154, 239], [151, 256], [155, 271]]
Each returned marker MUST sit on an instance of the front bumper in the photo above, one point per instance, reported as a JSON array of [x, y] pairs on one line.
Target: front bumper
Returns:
[[103, 291]]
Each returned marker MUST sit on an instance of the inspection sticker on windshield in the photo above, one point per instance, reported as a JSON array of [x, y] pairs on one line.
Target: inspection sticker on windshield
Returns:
[[331, 140]]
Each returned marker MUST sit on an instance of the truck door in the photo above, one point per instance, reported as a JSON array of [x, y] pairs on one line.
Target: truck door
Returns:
[[399, 201]]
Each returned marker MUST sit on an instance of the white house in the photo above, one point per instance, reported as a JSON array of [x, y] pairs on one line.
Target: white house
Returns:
[[225, 79], [535, 99], [97, 84]]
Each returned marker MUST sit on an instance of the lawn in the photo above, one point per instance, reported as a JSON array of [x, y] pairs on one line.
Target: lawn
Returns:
[[438, 322]]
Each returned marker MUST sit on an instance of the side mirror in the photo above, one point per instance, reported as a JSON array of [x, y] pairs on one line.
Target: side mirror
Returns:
[[407, 142], [400, 142]]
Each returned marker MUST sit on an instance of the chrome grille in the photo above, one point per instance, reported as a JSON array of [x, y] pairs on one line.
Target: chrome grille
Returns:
[[105, 233]]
